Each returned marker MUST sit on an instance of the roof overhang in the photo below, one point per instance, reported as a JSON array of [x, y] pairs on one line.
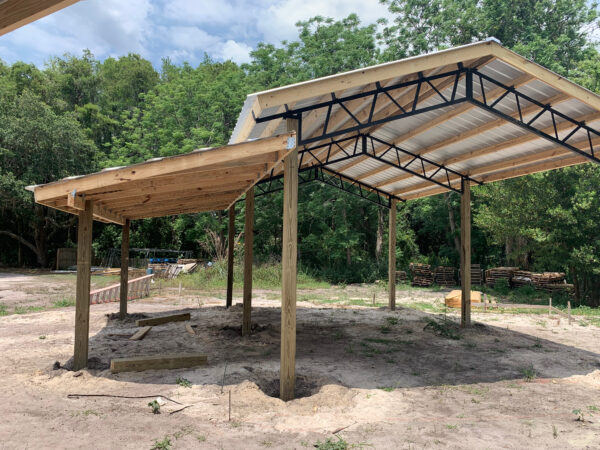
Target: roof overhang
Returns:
[[203, 180], [17, 13], [424, 125]]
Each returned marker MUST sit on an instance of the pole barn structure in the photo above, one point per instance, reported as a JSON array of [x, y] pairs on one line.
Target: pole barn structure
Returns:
[[389, 133]]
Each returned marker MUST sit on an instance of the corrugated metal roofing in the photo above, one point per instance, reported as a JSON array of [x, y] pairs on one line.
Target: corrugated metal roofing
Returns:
[[482, 144]]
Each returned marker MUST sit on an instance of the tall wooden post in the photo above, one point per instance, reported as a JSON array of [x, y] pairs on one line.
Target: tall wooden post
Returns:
[[392, 255], [124, 292], [82, 290], [465, 253], [289, 255], [248, 242], [230, 244]]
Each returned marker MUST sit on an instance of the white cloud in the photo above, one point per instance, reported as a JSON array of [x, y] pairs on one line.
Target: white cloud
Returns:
[[277, 22], [236, 51], [181, 29]]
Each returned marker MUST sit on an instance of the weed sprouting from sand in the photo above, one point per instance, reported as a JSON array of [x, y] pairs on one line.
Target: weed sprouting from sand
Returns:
[[579, 417], [331, 444], [64, 302], [183, 382], [529, 373], [554, 432], [445, 329], [165, 444]]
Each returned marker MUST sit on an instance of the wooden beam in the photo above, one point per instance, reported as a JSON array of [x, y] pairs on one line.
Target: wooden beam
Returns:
[[159, 200], [163, 319], [392, 254], [17, 13], [287, 373], [465, 254], [359, 77], [222, 158], [140, 334], [230, 254], [82, 290], [248, 246], [141, 363], [100, 212], [124, 270]]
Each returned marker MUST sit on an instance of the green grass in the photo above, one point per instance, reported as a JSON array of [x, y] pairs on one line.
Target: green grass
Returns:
[[3, 311], [265, 276], [183, 382], [332, 444], [165, 444], [27, 309], [63, 303]]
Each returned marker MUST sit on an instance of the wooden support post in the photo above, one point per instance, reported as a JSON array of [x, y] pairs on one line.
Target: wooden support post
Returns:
[[248, 242], [287, 372], [82, 290], [230, 248], [392, 255], [465, 253], [124, 270]]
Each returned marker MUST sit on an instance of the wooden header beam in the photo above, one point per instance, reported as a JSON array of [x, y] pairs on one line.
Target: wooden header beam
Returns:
[[17, 13]]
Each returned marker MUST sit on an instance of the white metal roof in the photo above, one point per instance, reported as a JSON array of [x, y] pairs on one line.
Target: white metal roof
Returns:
[[479, 143]]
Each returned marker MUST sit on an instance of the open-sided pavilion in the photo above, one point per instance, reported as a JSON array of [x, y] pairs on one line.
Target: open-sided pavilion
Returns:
[[388, 133]]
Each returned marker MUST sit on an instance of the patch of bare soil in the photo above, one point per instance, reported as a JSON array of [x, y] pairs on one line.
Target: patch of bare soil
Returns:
[[373, 377]]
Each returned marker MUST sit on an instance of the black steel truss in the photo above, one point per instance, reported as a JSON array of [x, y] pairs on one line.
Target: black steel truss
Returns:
[[373, 94], [338, 148], [317, 173], [528, 125]]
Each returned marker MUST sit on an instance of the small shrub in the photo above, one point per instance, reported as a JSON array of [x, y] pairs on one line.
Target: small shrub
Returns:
[[155, 407], [391, 320], [501, 286], [578, 415], [529, 373]]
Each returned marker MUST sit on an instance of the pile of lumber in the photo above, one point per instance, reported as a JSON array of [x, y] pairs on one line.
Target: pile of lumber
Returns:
[[498, 273], [400, 276], [444, 276], [522, 278], [476, 275], [540, 279], [421, 274]]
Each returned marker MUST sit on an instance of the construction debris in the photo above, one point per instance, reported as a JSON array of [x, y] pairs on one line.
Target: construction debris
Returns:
[[163, 319], [499, 273], [140, 363], [140, 334]]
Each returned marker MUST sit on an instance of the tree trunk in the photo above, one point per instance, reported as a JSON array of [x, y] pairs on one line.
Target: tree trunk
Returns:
[[21, 240], [40, 234], [379, 240], [452, 222]]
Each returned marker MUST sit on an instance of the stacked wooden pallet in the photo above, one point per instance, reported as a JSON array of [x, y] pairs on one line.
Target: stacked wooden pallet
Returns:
[[499, 273], [552, 288], [476, 275], [421, 274], [400, 276], [444, 276], [522, 278], [541, 279]]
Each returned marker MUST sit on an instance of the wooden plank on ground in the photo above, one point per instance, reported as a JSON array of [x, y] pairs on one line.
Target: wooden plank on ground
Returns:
[[189, 329], [140, 334], [169, 361], [164, 319]]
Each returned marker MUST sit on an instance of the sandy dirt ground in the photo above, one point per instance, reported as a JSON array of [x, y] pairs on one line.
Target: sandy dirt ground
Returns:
[[371, 377]]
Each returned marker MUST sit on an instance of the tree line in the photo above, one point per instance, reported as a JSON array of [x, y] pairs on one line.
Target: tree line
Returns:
[[78, 115]]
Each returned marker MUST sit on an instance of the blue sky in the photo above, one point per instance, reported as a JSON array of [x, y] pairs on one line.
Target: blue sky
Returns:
[[180, 29]]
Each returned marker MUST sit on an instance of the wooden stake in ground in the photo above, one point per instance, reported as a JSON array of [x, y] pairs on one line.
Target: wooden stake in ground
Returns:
[[392, 255], [248, 245], [569, 310], [465, 253], [230, 249], [289, 254], [550, 306], [82, 296], [124, 270]]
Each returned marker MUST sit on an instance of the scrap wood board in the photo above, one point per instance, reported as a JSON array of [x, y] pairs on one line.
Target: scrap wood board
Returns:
[[139, 334], [163, 319], [170, 361]]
